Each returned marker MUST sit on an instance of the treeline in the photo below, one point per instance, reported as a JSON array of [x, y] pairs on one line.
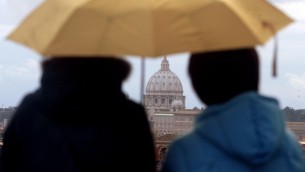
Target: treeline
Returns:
[[292, 115]]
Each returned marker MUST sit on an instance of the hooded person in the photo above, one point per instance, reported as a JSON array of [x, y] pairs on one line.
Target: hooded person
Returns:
[[79, 120], [240, 130]]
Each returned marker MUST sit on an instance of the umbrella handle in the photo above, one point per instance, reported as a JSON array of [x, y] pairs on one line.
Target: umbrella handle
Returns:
[[275, 54], [142, 80], [275, 49]]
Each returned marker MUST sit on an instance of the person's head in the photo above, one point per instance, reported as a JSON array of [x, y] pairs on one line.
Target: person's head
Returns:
[[219, 76], [98, 70]]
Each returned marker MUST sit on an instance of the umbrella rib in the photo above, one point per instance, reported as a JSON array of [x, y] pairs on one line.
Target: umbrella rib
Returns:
[[241, 18], [64, 21]]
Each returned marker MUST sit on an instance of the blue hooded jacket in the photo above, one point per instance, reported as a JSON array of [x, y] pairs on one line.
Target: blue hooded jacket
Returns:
[[247, 133]]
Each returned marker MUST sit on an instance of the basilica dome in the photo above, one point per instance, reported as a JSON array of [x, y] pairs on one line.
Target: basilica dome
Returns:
[[164, 82]]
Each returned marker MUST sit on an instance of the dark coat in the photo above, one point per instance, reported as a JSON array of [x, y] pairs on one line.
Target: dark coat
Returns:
[[62, 128]]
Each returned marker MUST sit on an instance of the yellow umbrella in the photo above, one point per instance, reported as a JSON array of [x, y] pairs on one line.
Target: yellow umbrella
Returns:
[[149, 28]]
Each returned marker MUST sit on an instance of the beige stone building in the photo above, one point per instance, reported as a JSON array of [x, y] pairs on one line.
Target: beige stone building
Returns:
[[177, 123], [298, 128], [165, 105]]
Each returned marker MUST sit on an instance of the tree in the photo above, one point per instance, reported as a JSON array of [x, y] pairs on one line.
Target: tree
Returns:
[[289, 114]]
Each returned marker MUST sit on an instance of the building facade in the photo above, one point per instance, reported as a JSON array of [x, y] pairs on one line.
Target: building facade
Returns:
[[164, 103]]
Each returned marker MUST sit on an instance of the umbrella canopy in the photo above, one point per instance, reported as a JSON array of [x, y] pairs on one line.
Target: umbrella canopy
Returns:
[[147, 28]]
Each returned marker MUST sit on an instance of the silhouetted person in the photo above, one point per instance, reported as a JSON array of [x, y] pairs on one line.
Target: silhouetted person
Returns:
[[240, 130], [79, 120]]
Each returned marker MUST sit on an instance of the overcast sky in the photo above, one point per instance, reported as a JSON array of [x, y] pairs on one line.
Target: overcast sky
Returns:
[[20, 71]]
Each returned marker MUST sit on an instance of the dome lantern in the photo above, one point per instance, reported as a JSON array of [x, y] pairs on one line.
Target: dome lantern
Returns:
[[164, 64]]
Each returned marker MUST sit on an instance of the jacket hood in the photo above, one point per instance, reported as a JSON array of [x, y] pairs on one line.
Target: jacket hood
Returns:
[[249, 127], [74, 88]]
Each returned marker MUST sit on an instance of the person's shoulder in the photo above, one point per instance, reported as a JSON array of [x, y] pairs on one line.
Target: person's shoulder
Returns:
[[24, 112], [292, 140], [190, 148], [294, 152], [188, 140], [28, 103], [134, 110], [132, 105]]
